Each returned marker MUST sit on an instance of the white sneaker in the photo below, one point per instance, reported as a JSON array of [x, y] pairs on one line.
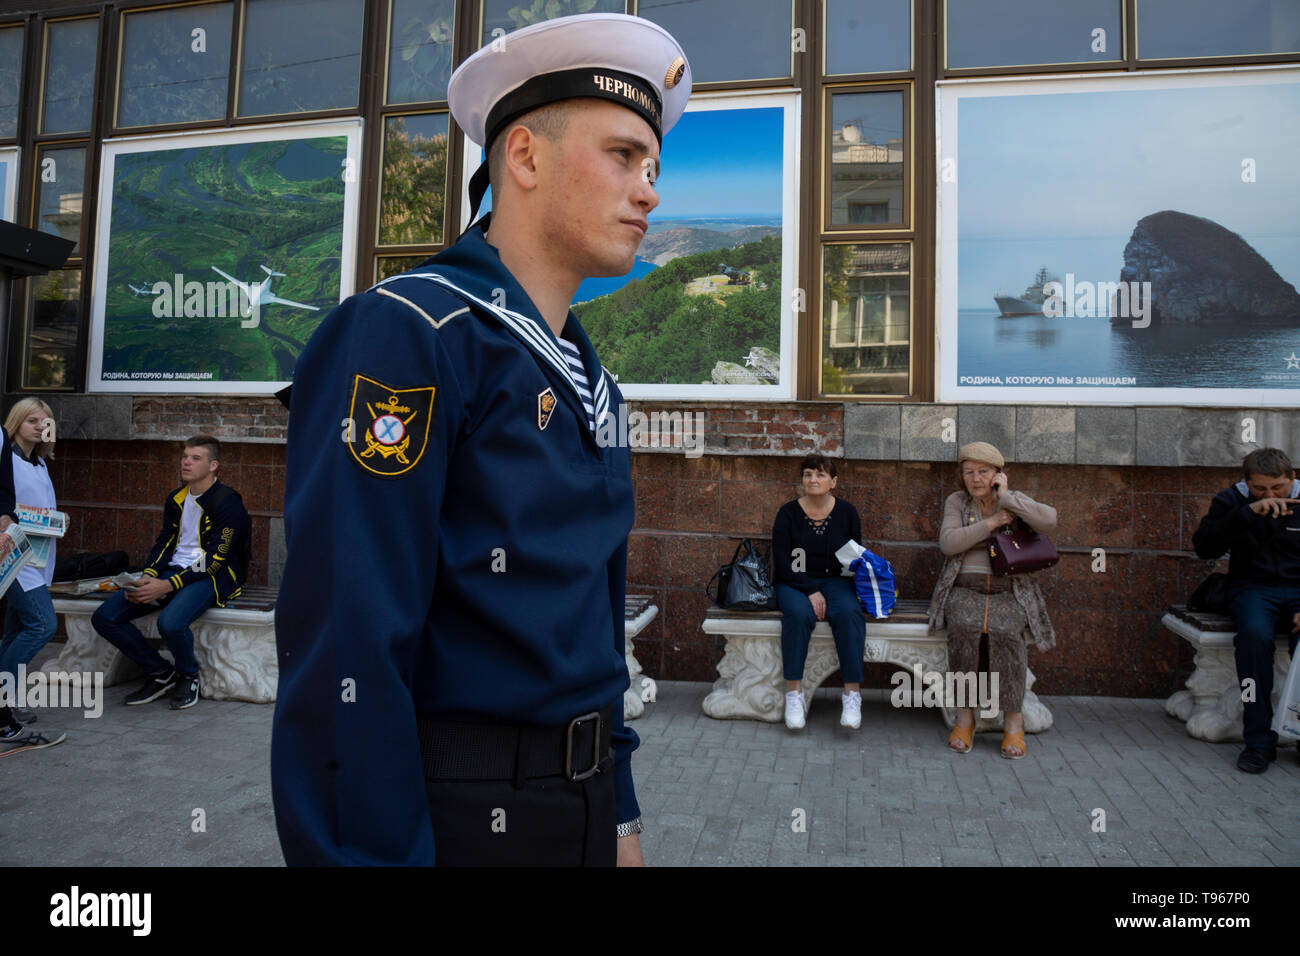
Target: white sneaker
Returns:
[[851, 712], [795, 708]]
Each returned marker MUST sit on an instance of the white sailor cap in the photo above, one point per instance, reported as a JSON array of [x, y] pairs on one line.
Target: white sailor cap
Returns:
[[610, 56]]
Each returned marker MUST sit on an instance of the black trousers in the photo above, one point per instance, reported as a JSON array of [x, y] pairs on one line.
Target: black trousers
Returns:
[[548, 821]]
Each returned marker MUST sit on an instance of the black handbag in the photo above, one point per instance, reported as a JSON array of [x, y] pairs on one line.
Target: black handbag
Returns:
[[1211, 595], [745, 584]]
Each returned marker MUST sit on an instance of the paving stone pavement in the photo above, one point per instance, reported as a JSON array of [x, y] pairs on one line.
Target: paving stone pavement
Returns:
[[123, 790]]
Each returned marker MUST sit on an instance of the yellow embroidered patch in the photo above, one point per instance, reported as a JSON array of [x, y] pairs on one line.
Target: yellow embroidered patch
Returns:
[[396, 426]]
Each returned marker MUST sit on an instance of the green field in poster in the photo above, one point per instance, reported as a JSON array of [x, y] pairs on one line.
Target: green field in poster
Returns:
[[189, 227]]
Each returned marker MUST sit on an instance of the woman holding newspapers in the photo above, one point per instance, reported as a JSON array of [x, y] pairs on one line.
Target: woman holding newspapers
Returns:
[[29, 622], [970, 600], [810, 587]]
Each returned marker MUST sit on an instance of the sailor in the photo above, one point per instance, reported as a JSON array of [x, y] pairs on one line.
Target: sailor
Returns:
[[450, 622]]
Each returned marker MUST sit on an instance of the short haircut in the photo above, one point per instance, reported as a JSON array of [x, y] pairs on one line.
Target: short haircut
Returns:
[[207, 442], [549, 121], [22, 408], [817, 462], [1269, 462]]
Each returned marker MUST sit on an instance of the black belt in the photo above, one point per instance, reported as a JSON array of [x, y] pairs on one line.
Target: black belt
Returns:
[[458, 750]]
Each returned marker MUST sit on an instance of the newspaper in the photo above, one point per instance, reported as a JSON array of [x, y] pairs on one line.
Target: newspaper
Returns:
[[42, 521], [40, 549], [17, 552]]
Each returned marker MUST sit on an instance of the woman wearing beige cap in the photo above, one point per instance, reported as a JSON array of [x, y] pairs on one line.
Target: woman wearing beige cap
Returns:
[[971, 601]]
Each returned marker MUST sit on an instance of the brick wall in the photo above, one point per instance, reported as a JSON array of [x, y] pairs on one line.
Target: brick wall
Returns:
[[691, 512]]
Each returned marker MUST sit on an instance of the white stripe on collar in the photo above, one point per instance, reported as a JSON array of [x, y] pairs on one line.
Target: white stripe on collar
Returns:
[[526, 330]]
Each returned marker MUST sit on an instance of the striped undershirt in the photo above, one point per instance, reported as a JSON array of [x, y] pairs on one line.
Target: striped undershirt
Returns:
[[574, 358]]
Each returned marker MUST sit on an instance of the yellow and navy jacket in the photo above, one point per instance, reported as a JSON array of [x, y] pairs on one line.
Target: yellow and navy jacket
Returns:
[[224, 535], [457, 546]]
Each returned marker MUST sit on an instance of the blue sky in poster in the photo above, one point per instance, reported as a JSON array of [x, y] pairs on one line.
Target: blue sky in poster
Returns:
[[722, 163], [1060, 179]]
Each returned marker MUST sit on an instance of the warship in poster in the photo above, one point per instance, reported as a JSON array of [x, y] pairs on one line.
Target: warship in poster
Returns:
[[1029, 302]]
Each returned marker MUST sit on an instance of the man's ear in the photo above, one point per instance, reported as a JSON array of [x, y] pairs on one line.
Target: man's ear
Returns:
[[519, 158]]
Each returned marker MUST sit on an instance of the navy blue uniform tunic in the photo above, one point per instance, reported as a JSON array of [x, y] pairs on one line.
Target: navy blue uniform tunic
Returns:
[[457, 546]]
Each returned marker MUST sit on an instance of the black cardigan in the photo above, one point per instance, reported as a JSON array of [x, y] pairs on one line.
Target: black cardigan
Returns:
[[792, 529]]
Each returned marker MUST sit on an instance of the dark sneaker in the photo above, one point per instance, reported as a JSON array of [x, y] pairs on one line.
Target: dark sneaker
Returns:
[[154, 686], [1254, 760], [12, 732], [187, 692], [24, 716], [28, 740]]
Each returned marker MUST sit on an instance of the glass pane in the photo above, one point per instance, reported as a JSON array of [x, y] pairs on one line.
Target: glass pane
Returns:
[[728, 39], [174, 66], [510, 15], [1178, 28], [866, 320], [69, 76], [419, 50], [300, 55], [867, 151], [868, 36], [61, 182], [55, 317], [386, 266], [414, 179], [1026, 32], [11, 76]]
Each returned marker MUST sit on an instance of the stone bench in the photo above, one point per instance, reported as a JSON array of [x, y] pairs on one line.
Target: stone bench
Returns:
[[1211, 704], [638, 613], [234, 645], [751, 686]]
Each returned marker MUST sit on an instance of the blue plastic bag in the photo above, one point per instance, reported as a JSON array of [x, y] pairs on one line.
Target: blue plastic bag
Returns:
[[873, 579]]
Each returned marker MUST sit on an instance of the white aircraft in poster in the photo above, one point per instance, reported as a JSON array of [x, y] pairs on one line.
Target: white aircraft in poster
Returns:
[[143, 290], [259, 293]]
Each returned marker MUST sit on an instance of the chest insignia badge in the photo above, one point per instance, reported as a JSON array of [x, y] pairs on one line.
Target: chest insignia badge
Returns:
[[545, 408]]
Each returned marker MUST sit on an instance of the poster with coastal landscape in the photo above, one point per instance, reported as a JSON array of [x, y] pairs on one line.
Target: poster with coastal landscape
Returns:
[[8, 184], [218, 255], [1128, 239], [707, 309]]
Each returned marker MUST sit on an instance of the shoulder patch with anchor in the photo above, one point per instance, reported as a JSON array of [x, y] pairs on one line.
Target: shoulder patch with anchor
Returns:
[[391, 426]]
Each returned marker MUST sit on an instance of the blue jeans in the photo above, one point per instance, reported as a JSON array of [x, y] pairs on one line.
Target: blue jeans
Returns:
[[846, 619], [1260, 612], [179, 610], [29, 625]]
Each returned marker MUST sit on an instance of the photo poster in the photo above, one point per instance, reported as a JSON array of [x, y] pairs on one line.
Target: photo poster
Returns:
[[9, 184], [220, 254], [707, 311], [1127, 239]]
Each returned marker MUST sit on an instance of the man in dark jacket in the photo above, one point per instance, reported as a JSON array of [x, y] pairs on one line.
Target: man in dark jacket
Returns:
[[1257, 521], [199, 559]]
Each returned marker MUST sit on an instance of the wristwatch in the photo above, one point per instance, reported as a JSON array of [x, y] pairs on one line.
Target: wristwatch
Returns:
[[629, 828]]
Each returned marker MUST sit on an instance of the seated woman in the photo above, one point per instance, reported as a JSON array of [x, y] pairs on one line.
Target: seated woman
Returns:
[[971, 601], [809, 587]]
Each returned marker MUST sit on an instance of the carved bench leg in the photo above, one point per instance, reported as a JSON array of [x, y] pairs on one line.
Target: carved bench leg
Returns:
[[237, 661], [633, 705], [750, 685], [1211, 704]]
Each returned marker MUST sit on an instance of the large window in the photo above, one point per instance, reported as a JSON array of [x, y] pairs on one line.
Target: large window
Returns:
[[993, 33], [174, 65], [1174, 29], [299, 56], [70, 47], [11, 62]]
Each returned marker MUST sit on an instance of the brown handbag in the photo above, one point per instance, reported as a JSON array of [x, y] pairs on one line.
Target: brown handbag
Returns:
[[1021, 550]]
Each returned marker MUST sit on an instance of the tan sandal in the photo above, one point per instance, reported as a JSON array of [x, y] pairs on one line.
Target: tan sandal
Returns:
[[965, 735], [1013, 740]]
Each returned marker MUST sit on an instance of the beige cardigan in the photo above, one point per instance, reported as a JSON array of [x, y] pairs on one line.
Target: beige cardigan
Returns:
[[962, 529]]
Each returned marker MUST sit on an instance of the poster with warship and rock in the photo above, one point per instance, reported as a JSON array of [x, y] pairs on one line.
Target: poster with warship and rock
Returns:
[[218, 254], [1129, 239], [707, 310]]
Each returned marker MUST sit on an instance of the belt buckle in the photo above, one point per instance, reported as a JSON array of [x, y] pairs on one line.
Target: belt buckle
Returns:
[[595, 748]]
